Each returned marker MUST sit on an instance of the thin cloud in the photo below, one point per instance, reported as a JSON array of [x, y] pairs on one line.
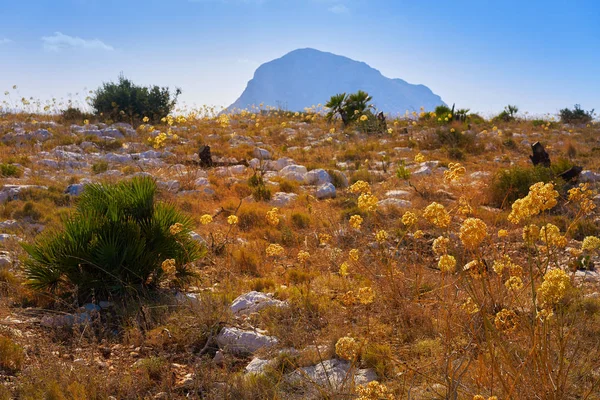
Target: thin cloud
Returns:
[[5, 41], [60, 41], [339, 9]]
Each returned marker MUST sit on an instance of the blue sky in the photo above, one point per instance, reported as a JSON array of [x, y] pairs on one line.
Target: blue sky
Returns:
[[479, 54]]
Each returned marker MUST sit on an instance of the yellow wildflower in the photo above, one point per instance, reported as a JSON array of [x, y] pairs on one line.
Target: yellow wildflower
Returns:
[[440, 245], [469, 306], [303, 256], [502, 233], [353, 254], [206, 219], [356, 221], [363, 118], [550, 234], [419, 158], [324, 238], [175, 228], [367, 202], [555, 286], [472, 232], [168, 266], [447, 263], [514, 283], [436, 214], [541, 197], [373, 391], [274, 250], [366, 295], [344, 269], [273, 216], [506, 321], [360, 187], [418, 234], [347, 348], [454, 172], [475, 268], [531, 233], [590, 243], [232, 220], [381, 236], [409, 218]]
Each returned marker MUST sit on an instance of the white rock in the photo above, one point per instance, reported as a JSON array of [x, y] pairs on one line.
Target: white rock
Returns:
[[257, 365], [326, 191], [202, 182], [261, 154], [317, 177], [421, 171], [293, 172], [237, 169], [589, 176], [392, 202], [333, 373], [252, 302], [282, 199], [283, 162], [397, 194], [5, 260], [239, 341], [113, 133]]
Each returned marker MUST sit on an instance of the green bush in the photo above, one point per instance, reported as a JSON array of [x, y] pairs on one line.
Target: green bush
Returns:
[[115, 242], [99, 167], [11, 355], [7, 170], [125, 101], [74, 115], [260, 192], [509, 114], [576, 116], [511, 184]]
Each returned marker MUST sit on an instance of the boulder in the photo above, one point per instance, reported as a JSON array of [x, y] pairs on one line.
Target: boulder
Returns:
[[326, 191], [317, 177], [293, 172], [261, 154], [334, 373], [282, 199], [252, 302], [392, 202], [239, 341]]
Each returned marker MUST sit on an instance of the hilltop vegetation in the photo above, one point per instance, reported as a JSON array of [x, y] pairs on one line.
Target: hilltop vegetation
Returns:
[[315, 258]]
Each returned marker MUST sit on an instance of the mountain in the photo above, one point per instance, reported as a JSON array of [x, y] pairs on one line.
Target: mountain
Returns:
[[307, 77]]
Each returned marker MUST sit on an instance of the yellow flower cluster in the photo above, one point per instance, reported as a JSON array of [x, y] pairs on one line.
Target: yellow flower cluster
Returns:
[[584, 196], [347, 348], [344, 269], [367, 202], [506, 321], [206, 219], [168, 266], [409, 218], [514, 283], [175, 228], [381, 236], [464, 208], [303, 256], [541, 197], [447, 263], [590, 243], [418, 234], [273, 216], [436, 214], [454, 172], [363, 118], [505, 263], [366, 295], [324, 238], [360, 187], [469, 306], [373, 391], [223, 120], [440, 246], [232, 220], [159, 140], [353, 254], [473, 231], [502, 233], [419, 158], [555, 286], [480, 397], [356, 221], [550, 234], [274, 250]]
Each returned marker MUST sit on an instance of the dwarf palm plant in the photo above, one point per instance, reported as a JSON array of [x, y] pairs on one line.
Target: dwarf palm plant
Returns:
[[116, 241]]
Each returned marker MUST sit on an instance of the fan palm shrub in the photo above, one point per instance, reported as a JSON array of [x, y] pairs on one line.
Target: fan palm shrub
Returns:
[[115, 242]]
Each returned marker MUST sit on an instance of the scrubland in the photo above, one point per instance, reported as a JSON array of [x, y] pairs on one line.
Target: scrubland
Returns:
[[430, 259]]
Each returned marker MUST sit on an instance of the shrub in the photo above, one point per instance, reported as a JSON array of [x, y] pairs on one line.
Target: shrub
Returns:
[[260, 192], [338, 179], [509, 114], [511, 184], [7, 170], [288, 186], [300, 220], [125, 101], [576, 116], [11, 355], [99, 167], [74, 115], [116, 241], [402, 172], [351, 108]]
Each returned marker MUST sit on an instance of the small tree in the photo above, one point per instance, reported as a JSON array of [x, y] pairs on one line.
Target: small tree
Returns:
[[349, 107], [509, 114], [117, 241], [125, 101], [576, 116]]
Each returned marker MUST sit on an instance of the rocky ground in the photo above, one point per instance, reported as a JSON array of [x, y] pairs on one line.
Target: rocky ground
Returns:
[[262, 323]]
